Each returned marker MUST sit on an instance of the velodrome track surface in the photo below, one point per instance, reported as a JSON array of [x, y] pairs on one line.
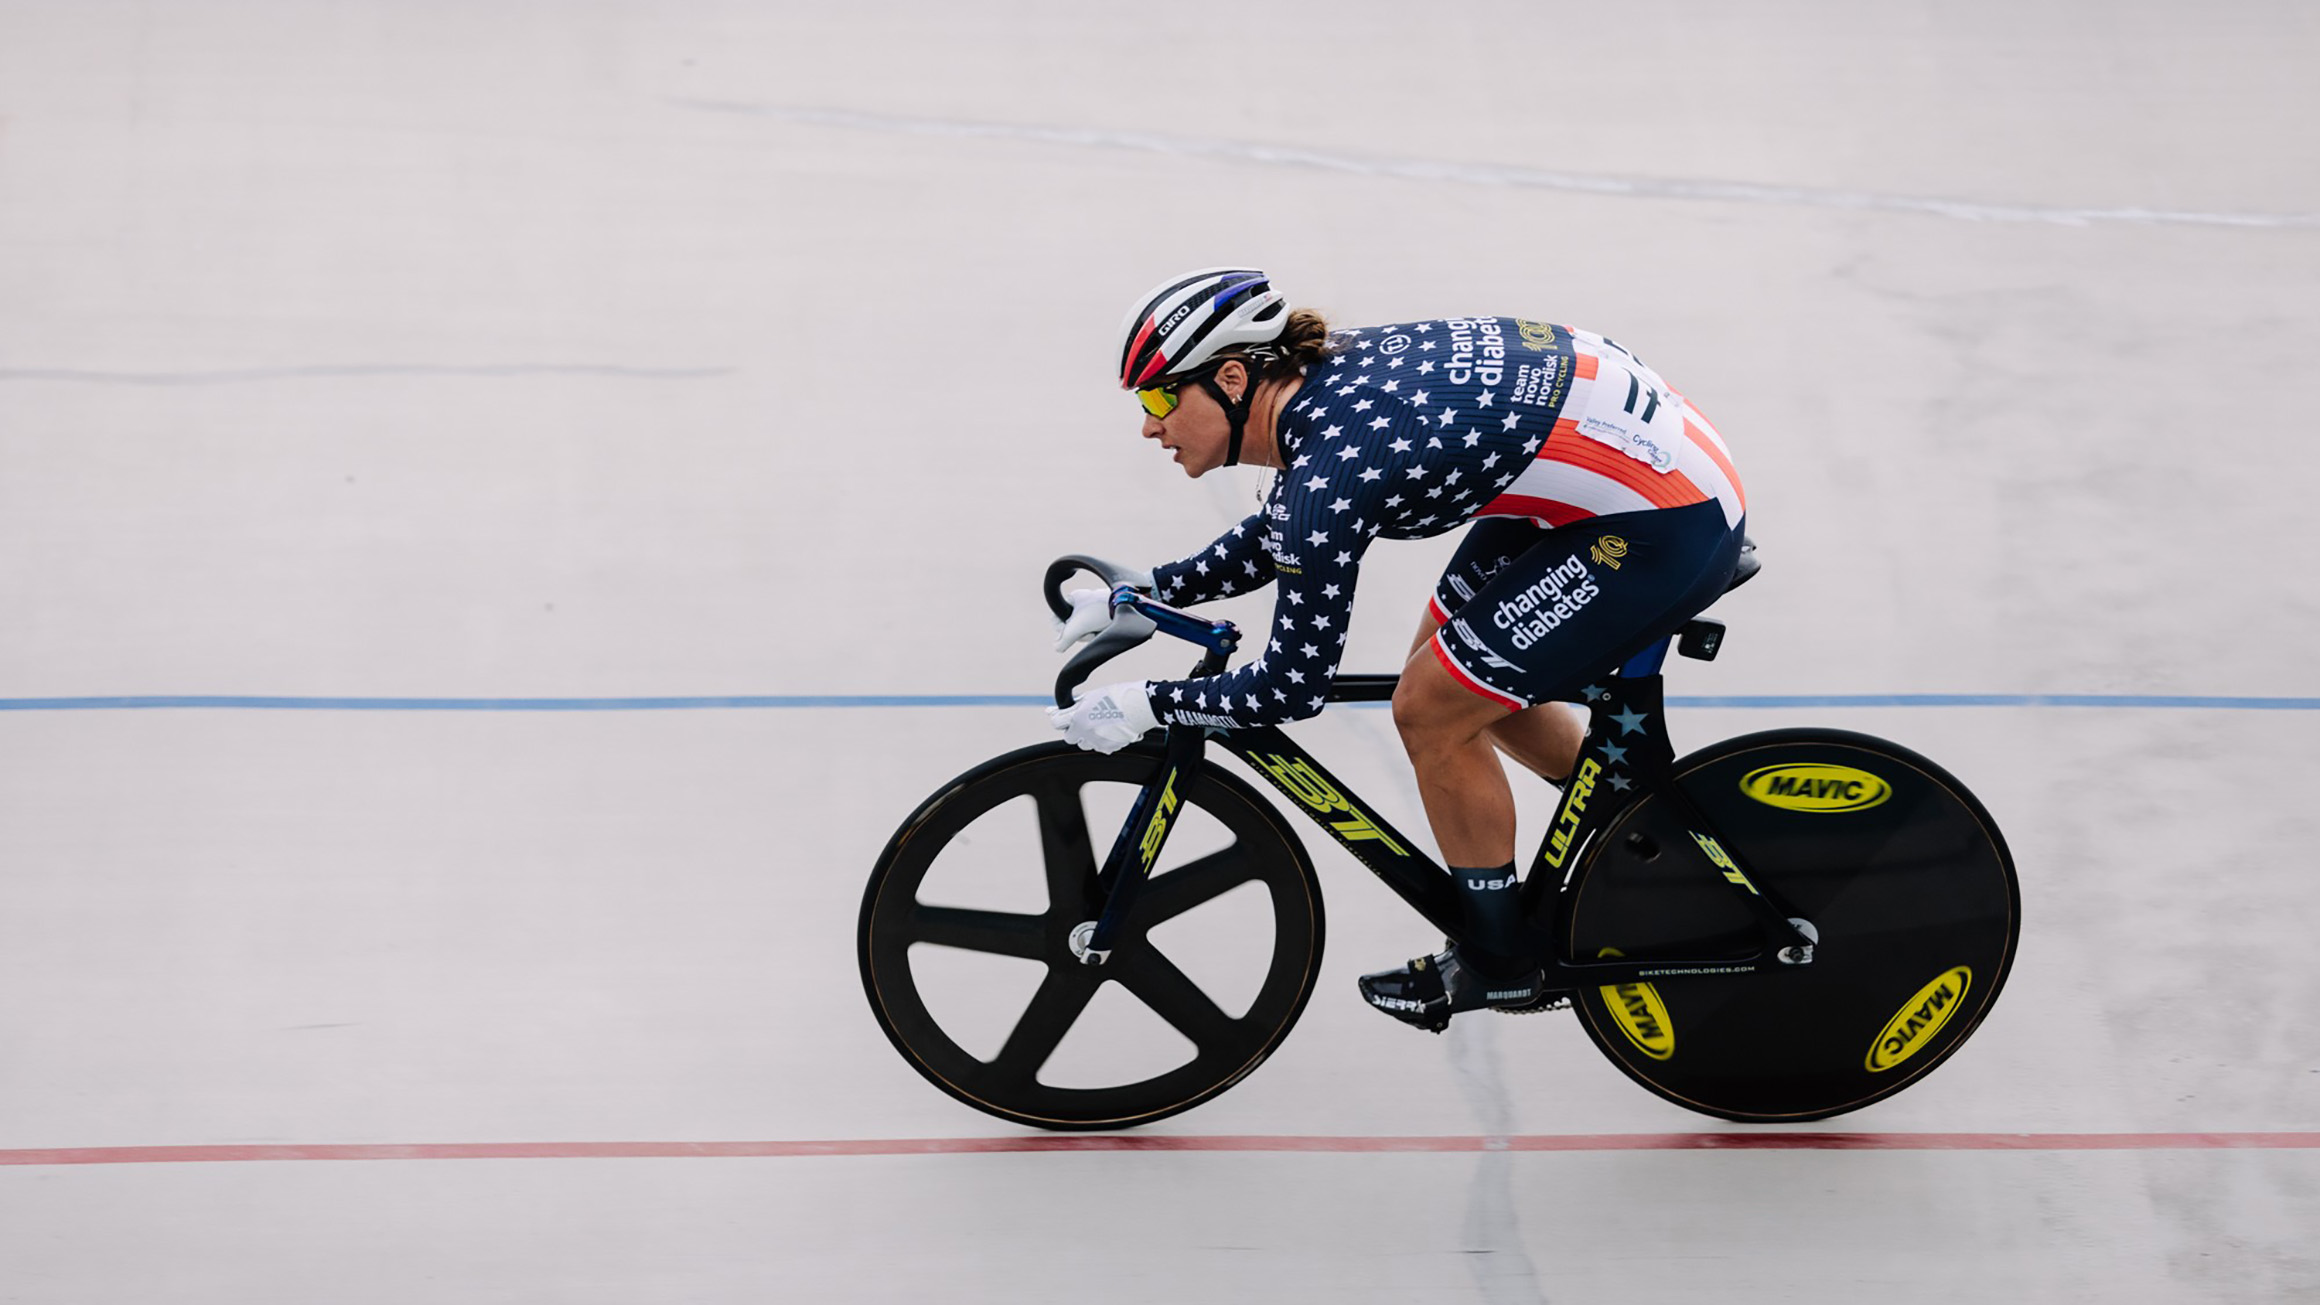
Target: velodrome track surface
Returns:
[[503, 508]]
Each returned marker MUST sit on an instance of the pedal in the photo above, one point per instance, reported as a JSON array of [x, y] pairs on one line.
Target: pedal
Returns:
[[1701, 639], [1547, 1001]]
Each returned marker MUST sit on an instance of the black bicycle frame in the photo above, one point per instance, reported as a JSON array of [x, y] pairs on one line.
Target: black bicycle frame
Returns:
[[1626, 756]]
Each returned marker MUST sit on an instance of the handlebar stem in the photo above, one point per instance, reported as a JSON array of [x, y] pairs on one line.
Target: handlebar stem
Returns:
[[1220, 637]]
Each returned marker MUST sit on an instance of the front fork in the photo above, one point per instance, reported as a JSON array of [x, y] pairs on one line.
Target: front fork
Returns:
[[1138, 846]]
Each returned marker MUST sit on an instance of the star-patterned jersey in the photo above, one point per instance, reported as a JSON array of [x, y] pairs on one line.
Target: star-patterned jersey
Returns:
[[1410, 431]]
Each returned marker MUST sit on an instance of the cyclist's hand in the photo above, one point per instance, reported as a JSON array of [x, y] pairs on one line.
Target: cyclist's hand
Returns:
[[1091, 609], [1107, 719]]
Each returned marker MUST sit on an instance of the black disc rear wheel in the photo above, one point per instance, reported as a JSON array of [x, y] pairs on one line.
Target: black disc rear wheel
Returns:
[[1001, 865], [1896, 865]]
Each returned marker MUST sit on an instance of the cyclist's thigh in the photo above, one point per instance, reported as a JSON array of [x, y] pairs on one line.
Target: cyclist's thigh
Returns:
[[1491, 545], [1581, 599]]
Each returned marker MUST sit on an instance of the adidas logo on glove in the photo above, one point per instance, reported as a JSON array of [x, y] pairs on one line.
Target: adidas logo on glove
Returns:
[[1107, 719]]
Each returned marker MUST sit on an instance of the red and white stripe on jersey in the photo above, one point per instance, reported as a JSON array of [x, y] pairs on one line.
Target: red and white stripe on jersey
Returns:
[[1575, 477]]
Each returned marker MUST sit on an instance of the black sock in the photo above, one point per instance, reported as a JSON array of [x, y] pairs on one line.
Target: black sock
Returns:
[[1492, 902]]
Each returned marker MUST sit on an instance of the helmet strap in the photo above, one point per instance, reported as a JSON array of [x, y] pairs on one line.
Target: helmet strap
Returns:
[[1235, 411]]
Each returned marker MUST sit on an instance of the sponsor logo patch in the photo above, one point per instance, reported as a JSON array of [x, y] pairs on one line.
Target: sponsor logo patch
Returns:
[[1575, 795], [1156, 832], [1208, 719], [1815, 786], [1914, 1025], [1543, 605], [1299, 780], [1477, 352], [1543, 383], [1722, 860], [1641, 1015]]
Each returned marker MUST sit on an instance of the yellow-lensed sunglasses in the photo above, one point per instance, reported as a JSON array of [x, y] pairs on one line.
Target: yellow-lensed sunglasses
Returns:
[[1160, 400]]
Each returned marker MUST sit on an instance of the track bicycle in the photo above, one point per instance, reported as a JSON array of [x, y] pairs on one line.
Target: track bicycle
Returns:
[[1783, 926]]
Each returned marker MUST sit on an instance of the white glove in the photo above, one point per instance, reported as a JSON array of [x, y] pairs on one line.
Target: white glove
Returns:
[[1108, 719], [1091, 609]]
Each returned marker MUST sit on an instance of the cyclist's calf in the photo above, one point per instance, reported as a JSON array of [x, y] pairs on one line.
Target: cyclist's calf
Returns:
[[1445, 730]]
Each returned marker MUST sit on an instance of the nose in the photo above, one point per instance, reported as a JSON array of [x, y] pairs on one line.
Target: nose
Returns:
[[1152, 427]]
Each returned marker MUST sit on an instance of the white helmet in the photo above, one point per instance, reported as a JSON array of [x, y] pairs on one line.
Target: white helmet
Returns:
[[1187, 320]]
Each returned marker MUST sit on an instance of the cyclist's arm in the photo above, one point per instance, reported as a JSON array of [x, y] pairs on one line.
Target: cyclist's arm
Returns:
[[1289, 679], [1332, 498], [1366, 461], [1235, 564]]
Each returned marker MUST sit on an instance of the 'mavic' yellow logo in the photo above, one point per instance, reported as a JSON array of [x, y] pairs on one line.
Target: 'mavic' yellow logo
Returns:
[[1641, 1015], [1815, 786], [1914, 1024]]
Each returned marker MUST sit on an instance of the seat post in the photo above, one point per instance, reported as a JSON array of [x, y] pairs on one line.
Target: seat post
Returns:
[[1646, 662]]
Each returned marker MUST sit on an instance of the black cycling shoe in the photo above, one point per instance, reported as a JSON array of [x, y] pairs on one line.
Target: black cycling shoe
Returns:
[[1426, 992]]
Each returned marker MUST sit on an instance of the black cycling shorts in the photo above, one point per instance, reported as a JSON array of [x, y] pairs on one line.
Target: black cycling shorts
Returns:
[[1531, 614]]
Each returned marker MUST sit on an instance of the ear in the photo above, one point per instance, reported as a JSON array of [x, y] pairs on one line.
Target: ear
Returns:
[[1233, 378]]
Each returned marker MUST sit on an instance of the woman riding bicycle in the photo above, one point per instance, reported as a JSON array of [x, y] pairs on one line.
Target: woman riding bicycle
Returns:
[[1606, 512]]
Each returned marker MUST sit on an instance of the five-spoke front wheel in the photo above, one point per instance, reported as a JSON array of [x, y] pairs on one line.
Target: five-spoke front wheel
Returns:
[[965, 941]]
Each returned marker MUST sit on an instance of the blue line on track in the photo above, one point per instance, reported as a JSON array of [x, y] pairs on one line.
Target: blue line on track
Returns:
[[827, 701]]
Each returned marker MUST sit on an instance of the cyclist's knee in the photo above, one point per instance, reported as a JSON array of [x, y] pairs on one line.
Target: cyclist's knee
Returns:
[[1410, 714], [1433, 711]]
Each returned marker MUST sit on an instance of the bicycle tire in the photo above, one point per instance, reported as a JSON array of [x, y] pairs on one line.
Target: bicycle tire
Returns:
[[1906, 878], [1007, 1085]]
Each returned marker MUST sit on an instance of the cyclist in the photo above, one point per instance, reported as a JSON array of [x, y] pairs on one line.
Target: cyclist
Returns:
[[1605, 513]]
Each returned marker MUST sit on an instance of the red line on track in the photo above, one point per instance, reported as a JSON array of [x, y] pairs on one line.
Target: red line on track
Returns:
[[1769, 1141]]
